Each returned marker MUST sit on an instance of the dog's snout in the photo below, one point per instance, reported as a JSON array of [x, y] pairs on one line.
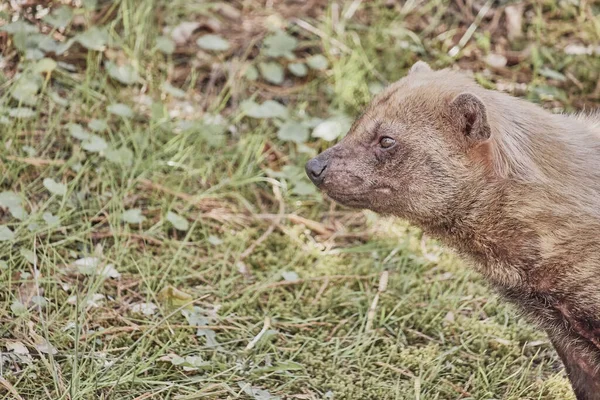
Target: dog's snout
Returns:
[[315, 169]]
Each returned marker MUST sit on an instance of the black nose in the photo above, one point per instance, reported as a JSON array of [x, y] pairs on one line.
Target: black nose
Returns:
[[315, 169]]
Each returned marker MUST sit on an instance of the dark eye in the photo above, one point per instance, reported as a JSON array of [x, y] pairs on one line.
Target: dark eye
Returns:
[[387, 142]]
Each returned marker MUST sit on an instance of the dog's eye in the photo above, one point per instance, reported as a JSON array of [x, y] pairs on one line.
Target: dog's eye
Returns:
[[387, 142]]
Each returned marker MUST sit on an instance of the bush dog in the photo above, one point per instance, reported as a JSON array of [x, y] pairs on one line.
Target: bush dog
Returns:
[[513, 188]]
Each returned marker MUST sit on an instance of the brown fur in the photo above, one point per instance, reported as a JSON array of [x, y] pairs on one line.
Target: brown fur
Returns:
[[511, 186]]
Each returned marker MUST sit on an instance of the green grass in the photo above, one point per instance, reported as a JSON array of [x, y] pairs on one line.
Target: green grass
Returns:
[[264, 282]]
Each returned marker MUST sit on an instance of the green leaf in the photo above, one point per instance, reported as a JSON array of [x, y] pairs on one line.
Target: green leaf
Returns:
[[318, 62], [269, 109], [95, 144], [39, 301], [63, 47], [25, 91], [29, 150], [28, 255], [256, 393], [60, 17], [179, 222], [51, 219], [303, 188], [19, 27], [14, 203], [214, 240], [332, 128], [120, 109], [21, 112], [280, 44], [48, 45], [19, 213], [213, 43], [98, 125], [298, 69], [45, 65], [293, 131], [144, 308], [57, 99], [6, 233], [552, 74], [10, 200], [251, 73], [125, 74], [54, 187], [122, 156], [165, 45], [376, 87], [78, 132], [18, 308], [133, 216], [172, 90], [87, 265], [34, 54], [93, 39], [290, 276], [90, 4], [280, 367], [272, 72]]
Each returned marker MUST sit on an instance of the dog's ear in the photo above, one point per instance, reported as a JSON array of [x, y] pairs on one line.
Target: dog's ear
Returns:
[[419, 66], [470, 116]]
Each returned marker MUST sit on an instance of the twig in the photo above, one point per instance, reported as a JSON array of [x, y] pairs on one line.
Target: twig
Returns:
[[320, 292], [37, 162], [8, 386], [383, 281], [264, 330], [471, 30], [334, 330]]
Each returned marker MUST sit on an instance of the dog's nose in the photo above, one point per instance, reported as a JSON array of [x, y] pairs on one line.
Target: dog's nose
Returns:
[[315, 169]]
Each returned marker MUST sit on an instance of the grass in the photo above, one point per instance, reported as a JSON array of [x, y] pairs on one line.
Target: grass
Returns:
[[182, 254]]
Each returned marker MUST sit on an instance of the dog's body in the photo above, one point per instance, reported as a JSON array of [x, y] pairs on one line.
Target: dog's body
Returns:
[[511, 186]]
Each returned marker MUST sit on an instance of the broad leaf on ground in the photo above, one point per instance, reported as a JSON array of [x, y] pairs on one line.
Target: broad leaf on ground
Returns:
[[95, 144], [60, 17], [78, 132], [212, 43], [272, 72], [120, 109], [280, 44], [298, 69], [268, 109], [6, 233], [98, 125], [178, 221], [122, 156], [318, 62], [93, 39], [54, 187], [332, 128], [293, 131], [165, 45], [133, 216], [21, 112], [126, 74]]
